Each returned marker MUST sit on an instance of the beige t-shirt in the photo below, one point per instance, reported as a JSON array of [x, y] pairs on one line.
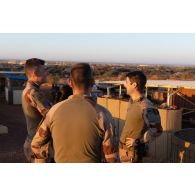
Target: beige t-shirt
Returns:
[[134, 125], [79, 130]]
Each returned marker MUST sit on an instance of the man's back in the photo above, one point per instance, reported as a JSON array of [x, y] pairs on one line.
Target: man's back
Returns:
[[75, 130], [80, 130]]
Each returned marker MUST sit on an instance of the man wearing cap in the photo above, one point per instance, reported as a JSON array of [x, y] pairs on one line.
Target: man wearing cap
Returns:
[[81, 130], [34, 104]]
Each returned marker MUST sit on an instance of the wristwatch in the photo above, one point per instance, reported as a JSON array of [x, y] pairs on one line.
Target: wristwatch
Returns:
[[137, 141]]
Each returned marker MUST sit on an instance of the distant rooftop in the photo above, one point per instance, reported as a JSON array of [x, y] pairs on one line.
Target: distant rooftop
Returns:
[[11, 72], [171, 84], [160, 83]]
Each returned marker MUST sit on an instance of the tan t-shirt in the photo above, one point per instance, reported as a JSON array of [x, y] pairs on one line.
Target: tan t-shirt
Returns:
[[79, 129], [134, 125]]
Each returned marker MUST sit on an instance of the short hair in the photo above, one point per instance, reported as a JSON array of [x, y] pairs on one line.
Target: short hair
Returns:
[[139, 78], [82, 75], [33, 64]]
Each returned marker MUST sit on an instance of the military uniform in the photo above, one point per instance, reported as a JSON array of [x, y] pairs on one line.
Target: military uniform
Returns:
[[136, 127], [80, 130], [35, 106]]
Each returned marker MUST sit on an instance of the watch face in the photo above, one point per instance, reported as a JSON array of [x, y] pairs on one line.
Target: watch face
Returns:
[[137, 141]]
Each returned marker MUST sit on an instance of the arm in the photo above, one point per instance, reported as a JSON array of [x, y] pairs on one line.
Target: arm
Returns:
[[38, 101], [40, 142], [152, 120], [108, 144]]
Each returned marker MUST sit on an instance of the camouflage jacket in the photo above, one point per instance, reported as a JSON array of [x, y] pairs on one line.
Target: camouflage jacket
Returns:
[[35, 106], [80, 131]]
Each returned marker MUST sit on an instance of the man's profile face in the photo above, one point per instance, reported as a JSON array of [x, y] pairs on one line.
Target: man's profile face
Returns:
[[130, 87], [41, 74]]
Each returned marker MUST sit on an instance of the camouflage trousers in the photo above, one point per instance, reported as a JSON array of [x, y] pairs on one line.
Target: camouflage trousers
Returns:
[[27, 150], [29, 154], [131, 155], [125, 156]]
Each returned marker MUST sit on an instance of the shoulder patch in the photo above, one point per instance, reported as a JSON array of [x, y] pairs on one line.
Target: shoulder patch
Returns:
[[153, 122], [145, 103]]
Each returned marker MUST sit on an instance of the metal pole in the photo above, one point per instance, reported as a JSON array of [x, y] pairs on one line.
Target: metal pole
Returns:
[[146, 92], [169, 94], [168, 97], [108, 91], [120, 90]]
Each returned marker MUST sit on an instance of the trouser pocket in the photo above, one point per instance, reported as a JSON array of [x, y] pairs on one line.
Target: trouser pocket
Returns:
[[126, 156]]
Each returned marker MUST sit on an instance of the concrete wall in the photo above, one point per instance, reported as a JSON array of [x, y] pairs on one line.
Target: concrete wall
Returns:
[[17, 96], [13, 96]]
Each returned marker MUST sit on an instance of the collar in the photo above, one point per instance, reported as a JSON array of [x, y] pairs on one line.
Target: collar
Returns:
[[137, 100], [86, 97]]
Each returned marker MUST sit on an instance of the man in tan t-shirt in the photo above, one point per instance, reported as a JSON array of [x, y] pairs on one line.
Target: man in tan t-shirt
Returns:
[[142, 120], [80, 130]]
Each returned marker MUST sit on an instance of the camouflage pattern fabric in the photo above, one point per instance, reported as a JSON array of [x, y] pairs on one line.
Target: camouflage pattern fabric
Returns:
[[35, 107], [132, 154]]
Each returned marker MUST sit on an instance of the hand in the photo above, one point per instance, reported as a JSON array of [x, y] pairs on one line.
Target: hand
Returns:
[[130, 142]]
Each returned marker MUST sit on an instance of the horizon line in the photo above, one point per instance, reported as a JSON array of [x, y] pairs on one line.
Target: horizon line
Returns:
[[99, 62]]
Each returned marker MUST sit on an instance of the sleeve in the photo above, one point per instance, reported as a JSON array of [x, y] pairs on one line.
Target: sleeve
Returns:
[[41, 141], [153, 124], [109, 140], [38, 101]]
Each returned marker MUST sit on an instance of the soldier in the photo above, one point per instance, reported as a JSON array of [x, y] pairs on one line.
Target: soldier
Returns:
[[142, 121], [34, 104], [80, 130]]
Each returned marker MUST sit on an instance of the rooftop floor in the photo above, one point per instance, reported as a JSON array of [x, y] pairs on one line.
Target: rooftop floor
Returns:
[[11, 144]]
